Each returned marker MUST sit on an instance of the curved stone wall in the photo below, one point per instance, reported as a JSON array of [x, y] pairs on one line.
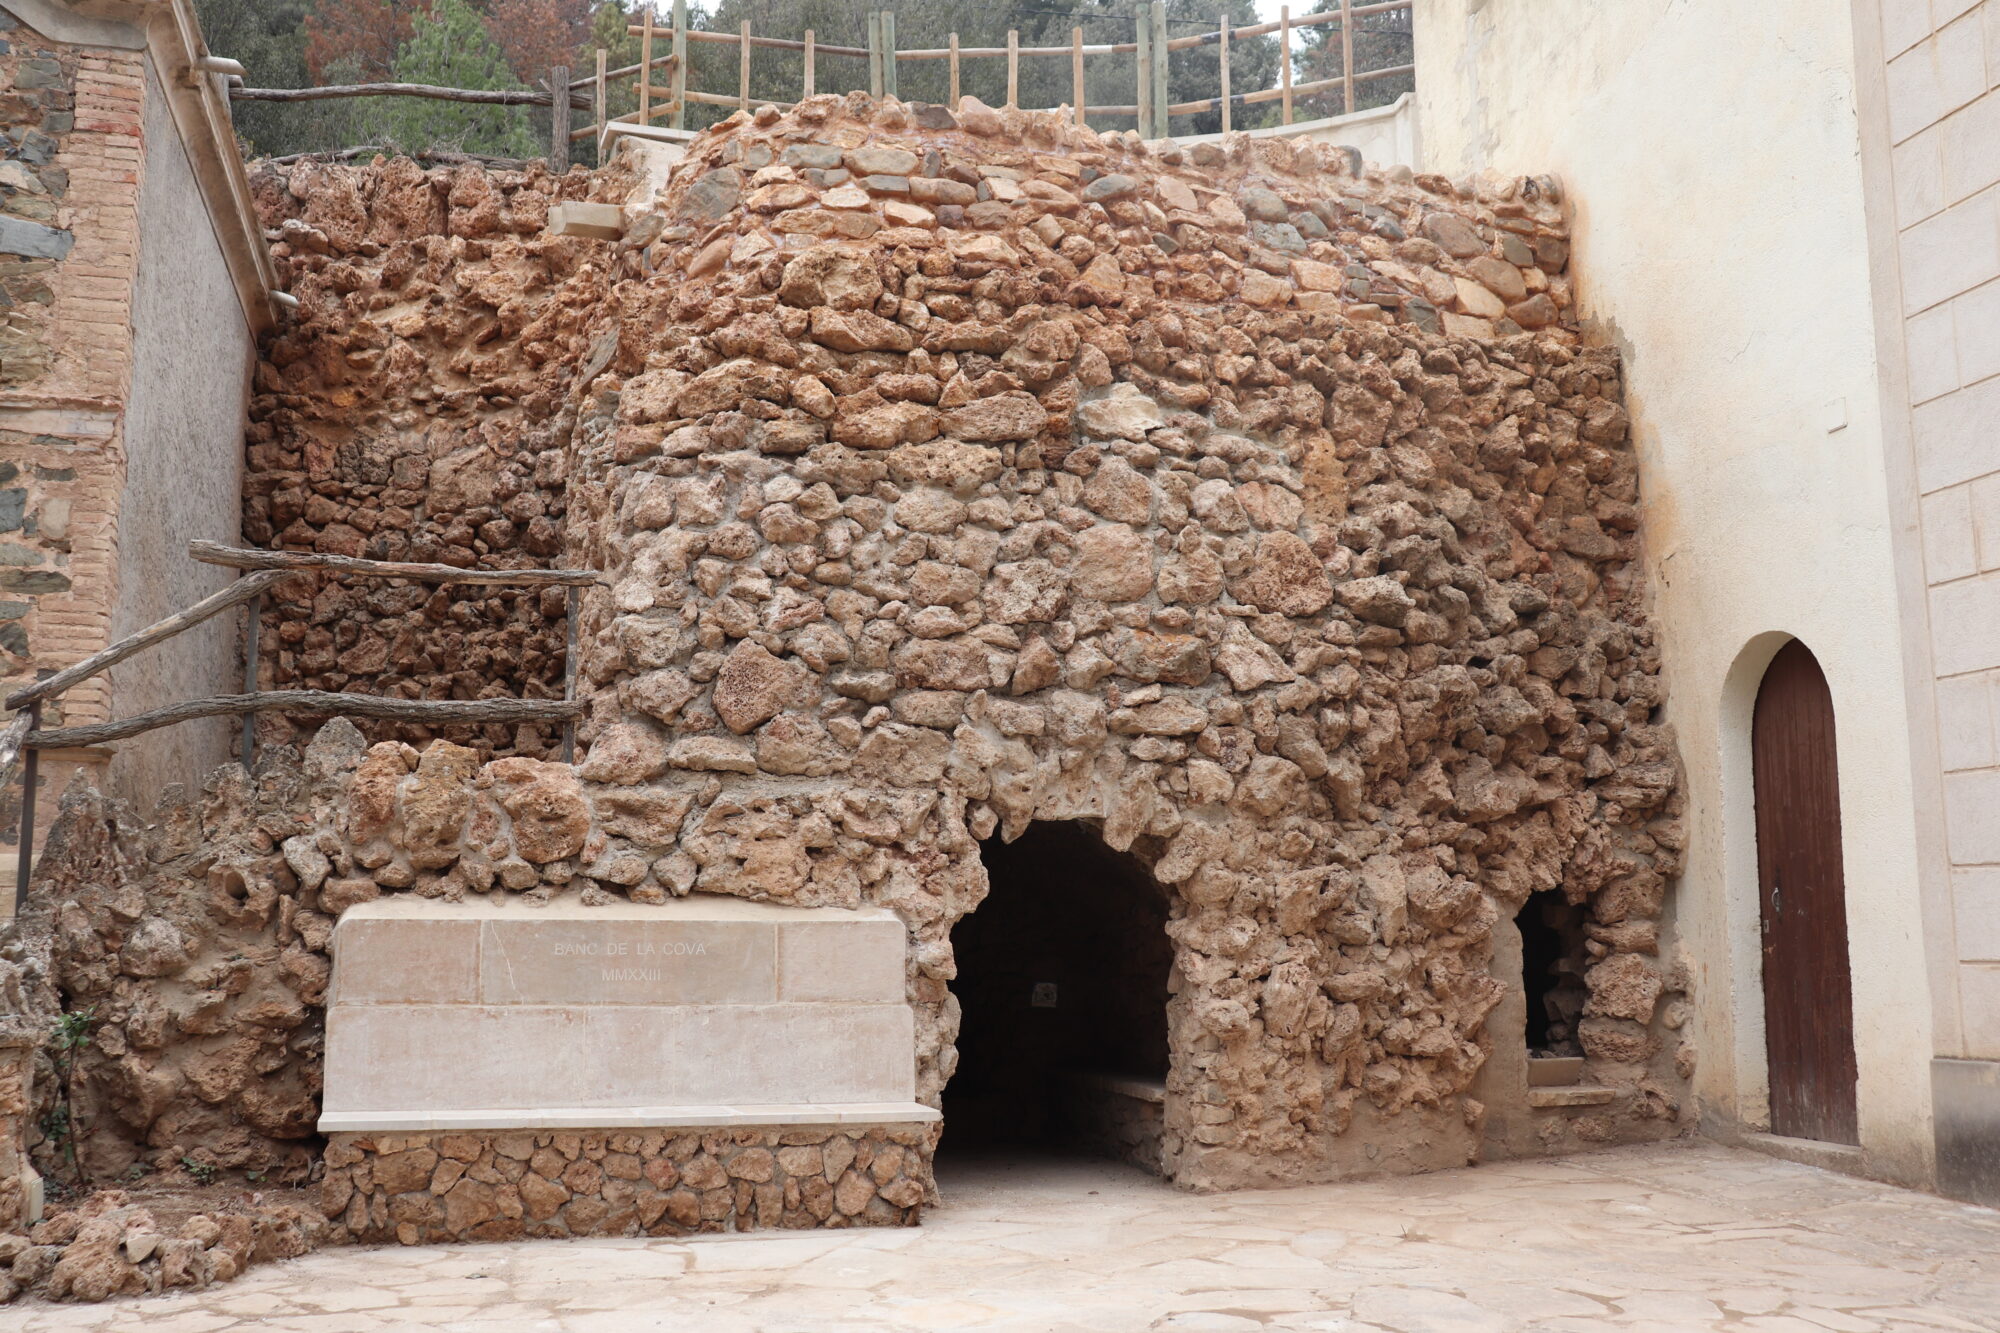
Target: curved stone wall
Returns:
[[952, 474]]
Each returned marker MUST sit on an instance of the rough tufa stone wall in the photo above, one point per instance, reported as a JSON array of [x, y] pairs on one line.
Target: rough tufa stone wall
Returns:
[[953, 475], [1043, 478], [411, 411]]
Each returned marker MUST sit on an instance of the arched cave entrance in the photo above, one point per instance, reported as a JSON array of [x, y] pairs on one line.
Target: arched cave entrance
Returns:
[[1062, 989]]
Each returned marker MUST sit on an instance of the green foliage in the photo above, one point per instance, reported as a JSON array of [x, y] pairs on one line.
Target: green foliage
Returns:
[[450, 47], [202, 1173], [72, 1035], [68, 1040]]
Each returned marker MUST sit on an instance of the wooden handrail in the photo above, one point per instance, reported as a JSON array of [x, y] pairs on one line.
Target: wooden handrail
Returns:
[[659, 62], [234, 595], [1273, 94], [327, 702], [770, 43], [236, 557], [484, 96]]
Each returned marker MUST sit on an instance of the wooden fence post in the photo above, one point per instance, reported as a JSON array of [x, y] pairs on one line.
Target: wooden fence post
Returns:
[[31, 766], [558, 119], [678, 84], [1143, 80], [808, 90], [603, 112], [1225, 72], [1076, 72], [1285, 57], [874, 54], [889, 53], [1013, 67], [954, 72], [1347, 54], [1163, 94], [646, 63], [250, 637], [743, 67]]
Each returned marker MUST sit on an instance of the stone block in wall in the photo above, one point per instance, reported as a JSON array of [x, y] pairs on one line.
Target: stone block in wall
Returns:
[[506, 1184]]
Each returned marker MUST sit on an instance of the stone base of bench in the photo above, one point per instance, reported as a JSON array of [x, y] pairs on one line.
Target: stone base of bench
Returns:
[[479, 1184]]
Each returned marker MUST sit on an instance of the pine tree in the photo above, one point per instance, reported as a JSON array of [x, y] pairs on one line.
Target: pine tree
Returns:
[[450, 46], [1381, 41]]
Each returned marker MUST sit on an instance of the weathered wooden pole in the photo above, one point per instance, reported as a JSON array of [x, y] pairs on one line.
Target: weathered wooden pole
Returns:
[[646, 62], [1076, 72], [1013, 67], [889, 53], [250, 637], [743, 67], [558, 119], [874, 54], [1162, 85], [1143, 80], [603, 88], [954, 72], [31, 766], [1285, 56], [808, 90], [679, 82], [1225, 73], [1347, 55]]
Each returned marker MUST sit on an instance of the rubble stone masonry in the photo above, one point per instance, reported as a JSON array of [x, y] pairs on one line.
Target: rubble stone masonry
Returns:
[[409, 414], [947, 473]]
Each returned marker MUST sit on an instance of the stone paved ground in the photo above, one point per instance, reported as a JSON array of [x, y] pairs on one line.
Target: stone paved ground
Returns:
[[1683, 1236]]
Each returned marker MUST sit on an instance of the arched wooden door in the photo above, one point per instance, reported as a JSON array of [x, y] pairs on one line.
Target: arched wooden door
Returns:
[[1808, 994]]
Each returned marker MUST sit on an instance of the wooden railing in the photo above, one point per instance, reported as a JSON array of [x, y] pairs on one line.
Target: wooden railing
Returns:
[[24, 738], [1149, 50]]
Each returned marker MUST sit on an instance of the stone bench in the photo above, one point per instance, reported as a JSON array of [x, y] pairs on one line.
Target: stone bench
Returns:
[[708, 1011]]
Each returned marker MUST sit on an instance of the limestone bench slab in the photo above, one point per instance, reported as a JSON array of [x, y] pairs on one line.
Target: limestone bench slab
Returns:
[[493, 1014]]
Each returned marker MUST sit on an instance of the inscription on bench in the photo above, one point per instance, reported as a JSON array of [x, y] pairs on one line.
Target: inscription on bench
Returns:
[[628, 962]]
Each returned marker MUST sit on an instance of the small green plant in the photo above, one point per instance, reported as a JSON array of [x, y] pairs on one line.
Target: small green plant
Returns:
[[254, 1177], [203, 1173], [55, 1125], [69, 1040], [135, 1172]]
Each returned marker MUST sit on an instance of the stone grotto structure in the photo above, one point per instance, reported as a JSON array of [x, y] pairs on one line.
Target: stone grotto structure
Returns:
[[1207, 575]]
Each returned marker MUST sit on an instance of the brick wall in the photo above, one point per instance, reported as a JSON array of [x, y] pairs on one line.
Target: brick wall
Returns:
[[70, 142], [1943, 88]]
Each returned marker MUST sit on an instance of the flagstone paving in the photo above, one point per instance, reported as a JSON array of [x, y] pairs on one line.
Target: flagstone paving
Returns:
[[1678, 1236]]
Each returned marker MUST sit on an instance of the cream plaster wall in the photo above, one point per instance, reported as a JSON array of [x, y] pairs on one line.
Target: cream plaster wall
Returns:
[[1939, 204], [1929, 94], [191, 360], [1709, 152], [1385, 136]]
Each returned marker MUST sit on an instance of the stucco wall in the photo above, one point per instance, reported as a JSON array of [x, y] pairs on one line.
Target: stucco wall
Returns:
[[1385, 136], [1723, 249], [191, 360], [1942, 198], [1929, 91]]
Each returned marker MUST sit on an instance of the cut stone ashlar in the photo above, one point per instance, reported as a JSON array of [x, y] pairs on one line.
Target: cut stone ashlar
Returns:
[[706, 1011]]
